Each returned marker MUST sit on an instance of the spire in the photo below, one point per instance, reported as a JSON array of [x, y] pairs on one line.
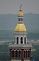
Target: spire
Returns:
[[20, 27], [20, 7], [21, 12]]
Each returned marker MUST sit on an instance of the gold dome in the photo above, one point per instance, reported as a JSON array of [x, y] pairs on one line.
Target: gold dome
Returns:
[[20, 27]]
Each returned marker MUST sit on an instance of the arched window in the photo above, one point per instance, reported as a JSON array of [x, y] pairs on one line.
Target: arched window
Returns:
[[21, 40], [20, 19], [28, 53], [25, 40], [17, 39], [12, 53]]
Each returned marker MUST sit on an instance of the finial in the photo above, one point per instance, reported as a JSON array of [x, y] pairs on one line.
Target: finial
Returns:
[[21, 12], [21, 6]]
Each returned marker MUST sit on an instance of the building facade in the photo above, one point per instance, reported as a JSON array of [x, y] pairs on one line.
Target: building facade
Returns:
[[21, 49]]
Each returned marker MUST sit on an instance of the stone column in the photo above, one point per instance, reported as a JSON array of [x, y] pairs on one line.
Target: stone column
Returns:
[[26, 54], [22, 55], [23, 40], [18, 54], [19, 40], [26, 39], [14, 54]]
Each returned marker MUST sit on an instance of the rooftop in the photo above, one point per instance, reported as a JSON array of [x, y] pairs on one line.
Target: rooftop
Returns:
[[20, 45]]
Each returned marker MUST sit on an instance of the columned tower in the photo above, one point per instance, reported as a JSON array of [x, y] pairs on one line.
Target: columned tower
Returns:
[[20, 50], [20, 30]]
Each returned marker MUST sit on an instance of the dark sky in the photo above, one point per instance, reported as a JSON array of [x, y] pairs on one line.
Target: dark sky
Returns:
[[11, 6]]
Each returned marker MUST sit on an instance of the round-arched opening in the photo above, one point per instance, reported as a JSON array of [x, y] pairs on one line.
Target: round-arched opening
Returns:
[[21, 40]]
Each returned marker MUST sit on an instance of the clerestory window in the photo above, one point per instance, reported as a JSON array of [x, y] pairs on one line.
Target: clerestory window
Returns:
[[21, 40], [17, 39], [25, 40]]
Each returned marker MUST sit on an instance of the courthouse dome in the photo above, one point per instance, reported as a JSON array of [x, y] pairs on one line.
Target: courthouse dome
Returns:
[[20, 27]]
